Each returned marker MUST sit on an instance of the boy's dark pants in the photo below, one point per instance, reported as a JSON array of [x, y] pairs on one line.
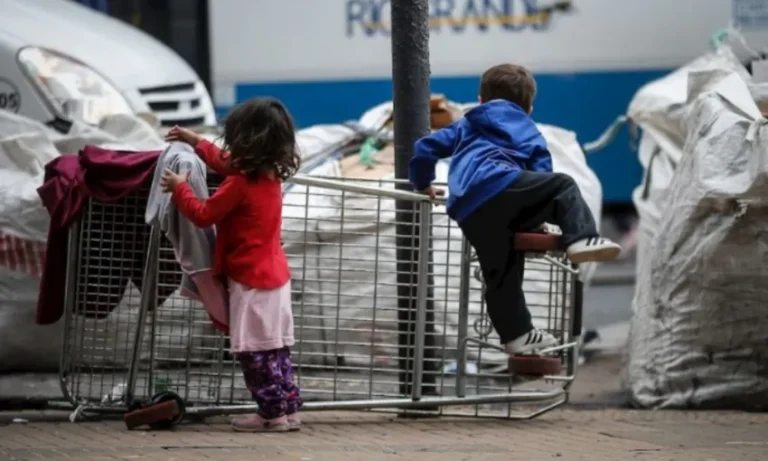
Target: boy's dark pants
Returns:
[[531, 200]]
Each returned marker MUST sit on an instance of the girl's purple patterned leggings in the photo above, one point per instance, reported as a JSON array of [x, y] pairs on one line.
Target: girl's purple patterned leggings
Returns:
[[269, 377]]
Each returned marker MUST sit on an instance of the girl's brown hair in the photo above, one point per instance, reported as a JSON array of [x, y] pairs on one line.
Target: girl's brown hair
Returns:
[[260, 139]]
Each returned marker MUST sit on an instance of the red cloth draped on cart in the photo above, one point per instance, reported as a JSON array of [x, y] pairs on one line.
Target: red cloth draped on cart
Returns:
[[118, 236], [101, 174]]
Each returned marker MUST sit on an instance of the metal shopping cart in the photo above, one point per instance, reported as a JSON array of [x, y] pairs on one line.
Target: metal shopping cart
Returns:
[[341, 239]]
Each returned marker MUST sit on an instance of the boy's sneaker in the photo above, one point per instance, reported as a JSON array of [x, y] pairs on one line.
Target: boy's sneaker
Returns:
[[593, 249], [294, 422], [255, 423], [530, 342]]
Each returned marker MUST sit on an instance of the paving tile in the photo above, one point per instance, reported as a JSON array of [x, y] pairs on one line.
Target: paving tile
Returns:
[[568, 434]]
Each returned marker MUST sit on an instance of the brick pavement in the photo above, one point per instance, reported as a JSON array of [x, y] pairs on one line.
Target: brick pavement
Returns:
[[567, 434]]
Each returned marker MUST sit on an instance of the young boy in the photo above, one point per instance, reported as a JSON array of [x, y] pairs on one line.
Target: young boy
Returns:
[[501, 182]]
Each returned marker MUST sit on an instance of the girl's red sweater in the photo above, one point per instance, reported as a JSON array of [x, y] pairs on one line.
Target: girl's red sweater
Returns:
[[248, 219]]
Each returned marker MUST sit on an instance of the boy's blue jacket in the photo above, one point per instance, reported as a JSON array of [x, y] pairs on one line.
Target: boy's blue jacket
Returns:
[[489, 147]]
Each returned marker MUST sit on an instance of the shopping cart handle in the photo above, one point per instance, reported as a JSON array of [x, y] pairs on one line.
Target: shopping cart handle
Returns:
[[351, 186], [537, 242]]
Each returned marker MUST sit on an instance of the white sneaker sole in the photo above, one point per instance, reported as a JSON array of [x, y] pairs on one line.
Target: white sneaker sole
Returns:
[[531, 349], [595, 255]]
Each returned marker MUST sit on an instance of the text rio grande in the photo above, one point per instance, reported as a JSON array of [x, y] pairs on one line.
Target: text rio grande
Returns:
[[372, 17]]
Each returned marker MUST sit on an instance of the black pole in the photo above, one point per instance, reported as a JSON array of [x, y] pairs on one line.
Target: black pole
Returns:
[[410, 82], [204, 44]]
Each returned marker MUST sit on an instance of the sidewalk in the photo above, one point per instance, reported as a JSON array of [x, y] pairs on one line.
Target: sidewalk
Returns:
[[567, 434]]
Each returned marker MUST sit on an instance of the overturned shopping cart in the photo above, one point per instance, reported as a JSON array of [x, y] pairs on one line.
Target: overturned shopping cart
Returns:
[[372, 333]]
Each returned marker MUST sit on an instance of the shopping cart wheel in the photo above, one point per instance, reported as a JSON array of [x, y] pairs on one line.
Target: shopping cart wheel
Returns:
[[163, 411], [163, 398], [534, 365]]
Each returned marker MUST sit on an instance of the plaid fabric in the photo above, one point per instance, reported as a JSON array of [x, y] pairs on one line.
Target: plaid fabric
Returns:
[[21, 255]]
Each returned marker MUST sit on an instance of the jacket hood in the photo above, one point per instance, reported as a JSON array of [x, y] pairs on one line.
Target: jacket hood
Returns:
[[496, 120]]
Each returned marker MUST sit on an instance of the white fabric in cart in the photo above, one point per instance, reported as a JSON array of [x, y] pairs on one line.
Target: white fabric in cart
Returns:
[[699, 334], [194, 246]]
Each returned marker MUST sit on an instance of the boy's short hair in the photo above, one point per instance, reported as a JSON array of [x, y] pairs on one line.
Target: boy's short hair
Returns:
[[509, 82]]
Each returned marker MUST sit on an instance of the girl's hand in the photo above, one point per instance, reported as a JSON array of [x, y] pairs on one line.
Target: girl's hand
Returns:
[[170, 180], [178, 133]]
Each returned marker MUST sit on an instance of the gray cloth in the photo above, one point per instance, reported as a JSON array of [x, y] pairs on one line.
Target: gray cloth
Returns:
[[193, 246], [699, 333]]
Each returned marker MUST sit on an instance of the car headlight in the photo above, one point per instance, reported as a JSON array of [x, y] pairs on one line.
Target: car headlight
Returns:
[[74, 90]]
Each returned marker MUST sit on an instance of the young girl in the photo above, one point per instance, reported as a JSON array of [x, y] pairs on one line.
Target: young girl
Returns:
[[260, 153]]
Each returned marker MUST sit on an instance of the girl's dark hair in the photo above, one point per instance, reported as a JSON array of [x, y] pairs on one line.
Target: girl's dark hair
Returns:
[[260, 138]]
